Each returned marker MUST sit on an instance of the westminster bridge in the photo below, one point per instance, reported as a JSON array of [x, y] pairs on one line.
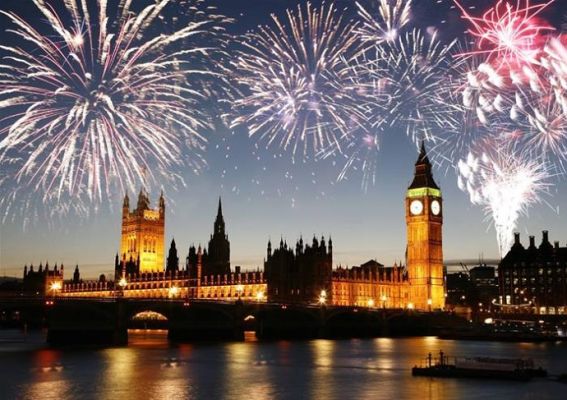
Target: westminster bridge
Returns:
[[106, 321]]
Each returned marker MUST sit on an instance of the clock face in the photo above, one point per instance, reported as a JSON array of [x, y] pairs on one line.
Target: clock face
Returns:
[[416, 207], [435, 207]]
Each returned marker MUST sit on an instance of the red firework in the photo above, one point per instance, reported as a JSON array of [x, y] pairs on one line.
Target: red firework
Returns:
[[508, 33]]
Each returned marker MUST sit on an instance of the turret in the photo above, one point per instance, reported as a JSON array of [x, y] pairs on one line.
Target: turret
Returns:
[[330, 245], [161, 204], [172, 258], [76, 275], [219, 227], [125, 206], [143, 201], [269, 248]]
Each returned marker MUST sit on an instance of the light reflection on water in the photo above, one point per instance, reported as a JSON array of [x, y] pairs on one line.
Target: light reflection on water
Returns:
[[151, 368]]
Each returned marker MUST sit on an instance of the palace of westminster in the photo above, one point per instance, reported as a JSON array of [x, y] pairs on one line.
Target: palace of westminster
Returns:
[[300, 273]]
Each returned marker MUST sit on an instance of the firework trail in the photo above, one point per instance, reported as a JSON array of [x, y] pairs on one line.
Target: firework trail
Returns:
[[384, 25], [301, 94], [362, 155], [96, 105], [506, 183]]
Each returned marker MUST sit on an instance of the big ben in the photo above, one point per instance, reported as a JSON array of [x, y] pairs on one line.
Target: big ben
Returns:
[[424, 220]]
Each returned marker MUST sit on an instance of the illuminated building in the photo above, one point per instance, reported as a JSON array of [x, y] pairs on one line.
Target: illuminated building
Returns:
[[371, 285], [142, 243], [424, 220], [301, 274], [534, 279]]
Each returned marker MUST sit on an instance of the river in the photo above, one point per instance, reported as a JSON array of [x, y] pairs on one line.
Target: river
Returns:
[[151, 368]]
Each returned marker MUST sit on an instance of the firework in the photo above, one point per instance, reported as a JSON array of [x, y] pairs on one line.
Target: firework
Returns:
[[95, 105], [508, 34], [506, 183], [384, 25], [300, 90], [361, 155], [409, 75]]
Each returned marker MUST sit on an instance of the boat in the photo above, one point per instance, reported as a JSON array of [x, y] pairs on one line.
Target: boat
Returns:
[[479, 367]]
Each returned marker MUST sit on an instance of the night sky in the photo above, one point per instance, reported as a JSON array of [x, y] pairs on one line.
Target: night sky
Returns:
[[265, 195]]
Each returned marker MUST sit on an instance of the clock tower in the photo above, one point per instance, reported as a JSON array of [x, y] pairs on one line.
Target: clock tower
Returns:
[[424, 220]]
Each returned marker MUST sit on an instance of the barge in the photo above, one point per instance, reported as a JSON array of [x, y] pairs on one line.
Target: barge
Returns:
[[479, 367]]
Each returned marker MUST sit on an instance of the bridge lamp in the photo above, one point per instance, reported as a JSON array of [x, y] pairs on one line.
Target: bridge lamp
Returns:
[[410, 306], [323, 297], [122, 283], [260, 296], [370, 303], [239, 290], [173, 291], [55, 286]]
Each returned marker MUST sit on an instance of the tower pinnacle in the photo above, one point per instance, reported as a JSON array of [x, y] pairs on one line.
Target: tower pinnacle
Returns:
[[423, 178]]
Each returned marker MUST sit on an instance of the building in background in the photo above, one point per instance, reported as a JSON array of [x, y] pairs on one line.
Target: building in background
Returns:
[[534, 278], [216, 259], [302, 275], [43, 281]]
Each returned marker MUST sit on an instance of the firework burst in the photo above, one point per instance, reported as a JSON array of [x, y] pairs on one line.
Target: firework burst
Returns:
[[385, 23], [409, 74], [95, 105], [508, 34], [301, 94], [506, 183]]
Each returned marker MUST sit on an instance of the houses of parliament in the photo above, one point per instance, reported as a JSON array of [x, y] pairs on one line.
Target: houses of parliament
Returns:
[[293, 273]]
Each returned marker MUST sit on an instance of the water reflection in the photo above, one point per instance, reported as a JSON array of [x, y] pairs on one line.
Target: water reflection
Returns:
[[50, 389], [320, 369]]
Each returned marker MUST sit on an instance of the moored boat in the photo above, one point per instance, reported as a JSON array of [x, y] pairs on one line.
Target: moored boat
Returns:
[[479, 367]]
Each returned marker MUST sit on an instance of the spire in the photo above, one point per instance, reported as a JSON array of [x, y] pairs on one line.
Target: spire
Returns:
[[126, 203], [423, 177], [219, 221], [161, 203], [143, 201], [172, 259]]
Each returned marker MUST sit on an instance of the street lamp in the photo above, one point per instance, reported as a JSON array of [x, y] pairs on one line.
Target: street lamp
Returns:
[[429, 303], [370, 303], [239, 290], [383, 298], [410, 306], [323, 297], [260, 296]]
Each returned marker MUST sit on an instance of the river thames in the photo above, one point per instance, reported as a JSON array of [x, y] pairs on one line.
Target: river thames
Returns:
[[151, 368]]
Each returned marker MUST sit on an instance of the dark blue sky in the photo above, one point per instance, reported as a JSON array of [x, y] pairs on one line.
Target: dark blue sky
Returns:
[[265, 195]]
